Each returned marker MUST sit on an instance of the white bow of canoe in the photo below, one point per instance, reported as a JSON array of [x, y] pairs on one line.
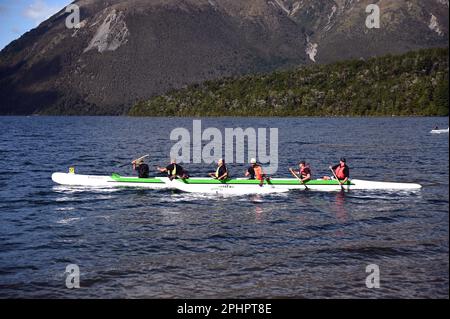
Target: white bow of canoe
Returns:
[[107, 181]]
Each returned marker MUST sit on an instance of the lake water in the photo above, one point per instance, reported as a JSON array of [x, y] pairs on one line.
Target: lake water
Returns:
[[132, 243]]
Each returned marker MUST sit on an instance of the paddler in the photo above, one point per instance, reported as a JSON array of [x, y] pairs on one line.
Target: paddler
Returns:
[[142, 168], [174, 170], [221, 171], [255, 171], [341, 170], [304, 171], [250, 173]]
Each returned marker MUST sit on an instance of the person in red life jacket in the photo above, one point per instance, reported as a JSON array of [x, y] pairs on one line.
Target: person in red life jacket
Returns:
[[142, 168], [304, 171], [250, 173], [221, 172], [174, 170], [255, 171], [342, 171]]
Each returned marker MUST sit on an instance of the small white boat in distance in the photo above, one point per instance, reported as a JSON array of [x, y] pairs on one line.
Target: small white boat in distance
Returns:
[[439, 131]]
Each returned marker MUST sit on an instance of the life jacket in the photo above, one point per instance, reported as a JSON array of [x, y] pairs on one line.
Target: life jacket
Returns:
[[251, 172], [173, 172], [340, 172], [258, 172], [305, 171], [220, 171], [143, 171]]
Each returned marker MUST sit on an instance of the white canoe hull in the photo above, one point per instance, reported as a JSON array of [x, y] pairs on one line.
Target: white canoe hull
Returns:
[[359, 184], [224, 189], [233, 187], [102, 181], [279, 185]]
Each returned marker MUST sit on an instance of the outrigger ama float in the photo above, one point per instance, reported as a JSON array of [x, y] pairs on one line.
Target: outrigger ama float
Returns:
[[238, 186]]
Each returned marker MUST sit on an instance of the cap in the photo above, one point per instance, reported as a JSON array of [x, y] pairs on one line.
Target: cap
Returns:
[[343, 159], [253, 161]]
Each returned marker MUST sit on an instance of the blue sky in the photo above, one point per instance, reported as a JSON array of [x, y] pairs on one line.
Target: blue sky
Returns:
[[20, 16]]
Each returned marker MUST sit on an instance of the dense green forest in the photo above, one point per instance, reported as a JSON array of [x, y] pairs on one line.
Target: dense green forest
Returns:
[[415, 83]]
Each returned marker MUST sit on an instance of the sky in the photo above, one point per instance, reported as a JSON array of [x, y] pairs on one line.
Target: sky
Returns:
[[20, 16]]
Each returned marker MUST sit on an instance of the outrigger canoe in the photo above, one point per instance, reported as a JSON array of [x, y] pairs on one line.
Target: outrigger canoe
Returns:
[[239, 186], [439, 131], [278, 185]]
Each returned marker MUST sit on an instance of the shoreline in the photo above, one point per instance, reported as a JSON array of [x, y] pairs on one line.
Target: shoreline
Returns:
[[231, 116]]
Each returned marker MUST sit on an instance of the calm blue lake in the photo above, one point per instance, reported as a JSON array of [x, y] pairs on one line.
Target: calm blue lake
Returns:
[[134, 243]]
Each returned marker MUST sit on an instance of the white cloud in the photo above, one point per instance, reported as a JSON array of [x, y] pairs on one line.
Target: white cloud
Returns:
[[39, 11]]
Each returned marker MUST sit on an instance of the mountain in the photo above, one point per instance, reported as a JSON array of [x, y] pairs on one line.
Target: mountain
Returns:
[[411, 84], [126, 51]]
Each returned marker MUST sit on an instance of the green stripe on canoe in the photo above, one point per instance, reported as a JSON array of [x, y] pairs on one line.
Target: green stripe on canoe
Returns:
[[272, 182], [118, 178]]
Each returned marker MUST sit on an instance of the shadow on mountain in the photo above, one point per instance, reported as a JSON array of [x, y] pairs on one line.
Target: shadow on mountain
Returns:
[[14, 102], [27, 96]]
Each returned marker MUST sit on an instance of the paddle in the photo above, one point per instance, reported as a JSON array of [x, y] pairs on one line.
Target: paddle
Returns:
[[334, 174], [140, 158], [137, 159], [301, 182], [261, 182]]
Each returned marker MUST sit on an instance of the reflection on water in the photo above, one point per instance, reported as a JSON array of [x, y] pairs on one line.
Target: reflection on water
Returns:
[[340, 207]]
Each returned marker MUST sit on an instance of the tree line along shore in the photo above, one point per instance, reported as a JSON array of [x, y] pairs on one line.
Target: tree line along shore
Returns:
[[411, 84]]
